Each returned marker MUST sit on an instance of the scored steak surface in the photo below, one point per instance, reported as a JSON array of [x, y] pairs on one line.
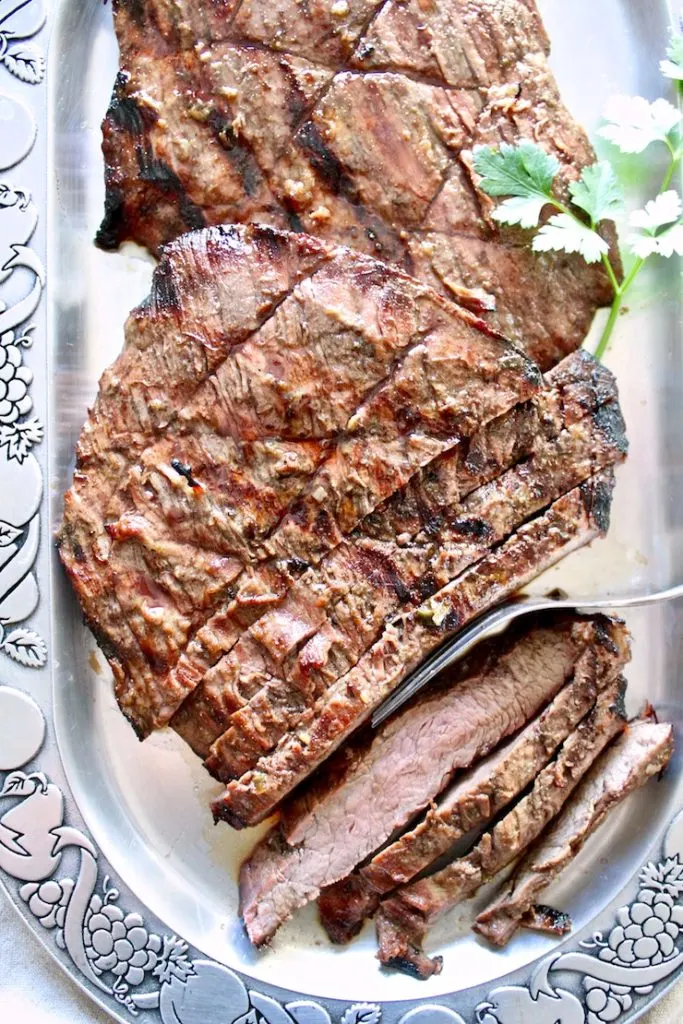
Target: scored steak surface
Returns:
[[443, 520], [572, 521], [272, 392], [485, 518], [354, 122]]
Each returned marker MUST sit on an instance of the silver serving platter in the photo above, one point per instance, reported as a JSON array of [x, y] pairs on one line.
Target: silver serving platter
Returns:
[[107, 847]]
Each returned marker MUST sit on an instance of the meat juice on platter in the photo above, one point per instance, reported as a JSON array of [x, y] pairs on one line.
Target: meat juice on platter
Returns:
[[350, 417]]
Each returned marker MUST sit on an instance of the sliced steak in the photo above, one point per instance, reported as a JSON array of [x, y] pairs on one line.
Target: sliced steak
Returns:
[[404, 918], [378, 783], [372, 582], [231, 433], [548, 920], [356, 125], [643, 751], [602, 649], [318, 631], [572, 521]]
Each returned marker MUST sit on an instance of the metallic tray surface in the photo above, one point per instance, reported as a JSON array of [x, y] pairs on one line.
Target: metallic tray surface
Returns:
[[137, 833]]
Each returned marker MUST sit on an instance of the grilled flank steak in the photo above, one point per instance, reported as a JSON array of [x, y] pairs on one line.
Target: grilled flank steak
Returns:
[[355, 123], [303, 472]]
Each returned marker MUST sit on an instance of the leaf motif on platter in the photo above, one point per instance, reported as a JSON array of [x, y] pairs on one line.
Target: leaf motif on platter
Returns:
[[27, 64], [21, 437], [25, 647], [362, 1013], [19, 784], [8, 534]]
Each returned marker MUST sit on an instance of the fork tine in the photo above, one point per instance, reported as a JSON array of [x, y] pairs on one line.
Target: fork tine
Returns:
[[454, 649]]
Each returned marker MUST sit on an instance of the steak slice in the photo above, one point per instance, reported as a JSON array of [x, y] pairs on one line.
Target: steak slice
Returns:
[[643, 751], [404, 918], [258, 430], [541, 918], [479, 795], [356, 126], [377, 581], [315, 631], [570, 522], [380, 781]]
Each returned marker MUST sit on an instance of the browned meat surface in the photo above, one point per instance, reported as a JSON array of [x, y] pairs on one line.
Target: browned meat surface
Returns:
[[379, 580], [601, 648], [272, 392], [570, 522], [380, 781], [404, 918], [410, 545], [643, 751], [354, 122], [548, 920]]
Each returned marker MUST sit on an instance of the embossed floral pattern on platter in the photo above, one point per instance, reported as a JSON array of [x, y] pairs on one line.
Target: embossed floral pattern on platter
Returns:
[[145, 971], [100, 936]]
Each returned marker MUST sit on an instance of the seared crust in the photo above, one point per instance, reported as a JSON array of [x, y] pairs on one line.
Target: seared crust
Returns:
[[369, 582], [272, 392], [320, 620], [354, 122], [570, 522]]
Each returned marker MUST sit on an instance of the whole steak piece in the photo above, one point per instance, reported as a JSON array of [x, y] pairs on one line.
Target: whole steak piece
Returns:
[[272, 392], [355, 122]]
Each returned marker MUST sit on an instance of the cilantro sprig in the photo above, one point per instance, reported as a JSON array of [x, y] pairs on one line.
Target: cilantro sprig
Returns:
[[525, 177]]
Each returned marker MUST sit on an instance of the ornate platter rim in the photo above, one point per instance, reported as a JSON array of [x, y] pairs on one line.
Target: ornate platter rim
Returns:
[[60, 884]]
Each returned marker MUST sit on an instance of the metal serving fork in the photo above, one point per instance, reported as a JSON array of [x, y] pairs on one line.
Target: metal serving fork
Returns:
[[495, 621]]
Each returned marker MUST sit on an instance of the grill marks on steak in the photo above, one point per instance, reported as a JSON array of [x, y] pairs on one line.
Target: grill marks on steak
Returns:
[[457, 43], [404, 918], [391, 580], [572, 521], [324, 833], [440, 391], [413, 375], [192, 320], [376, 557], [356, 127], [601, 648], [644, 750]]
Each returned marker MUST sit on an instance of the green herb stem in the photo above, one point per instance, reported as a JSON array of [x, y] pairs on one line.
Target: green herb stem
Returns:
[[620, 294], [620, 290], [670, 173], [614, 280]]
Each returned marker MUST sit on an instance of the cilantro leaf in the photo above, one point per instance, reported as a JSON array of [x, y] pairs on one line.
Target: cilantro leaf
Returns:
[[563, 233], [524, 171], [633, 123], [520, 210], [673, 67], [665, 244], [597, 192], [671, 241], [660, 229], [664, 209]]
